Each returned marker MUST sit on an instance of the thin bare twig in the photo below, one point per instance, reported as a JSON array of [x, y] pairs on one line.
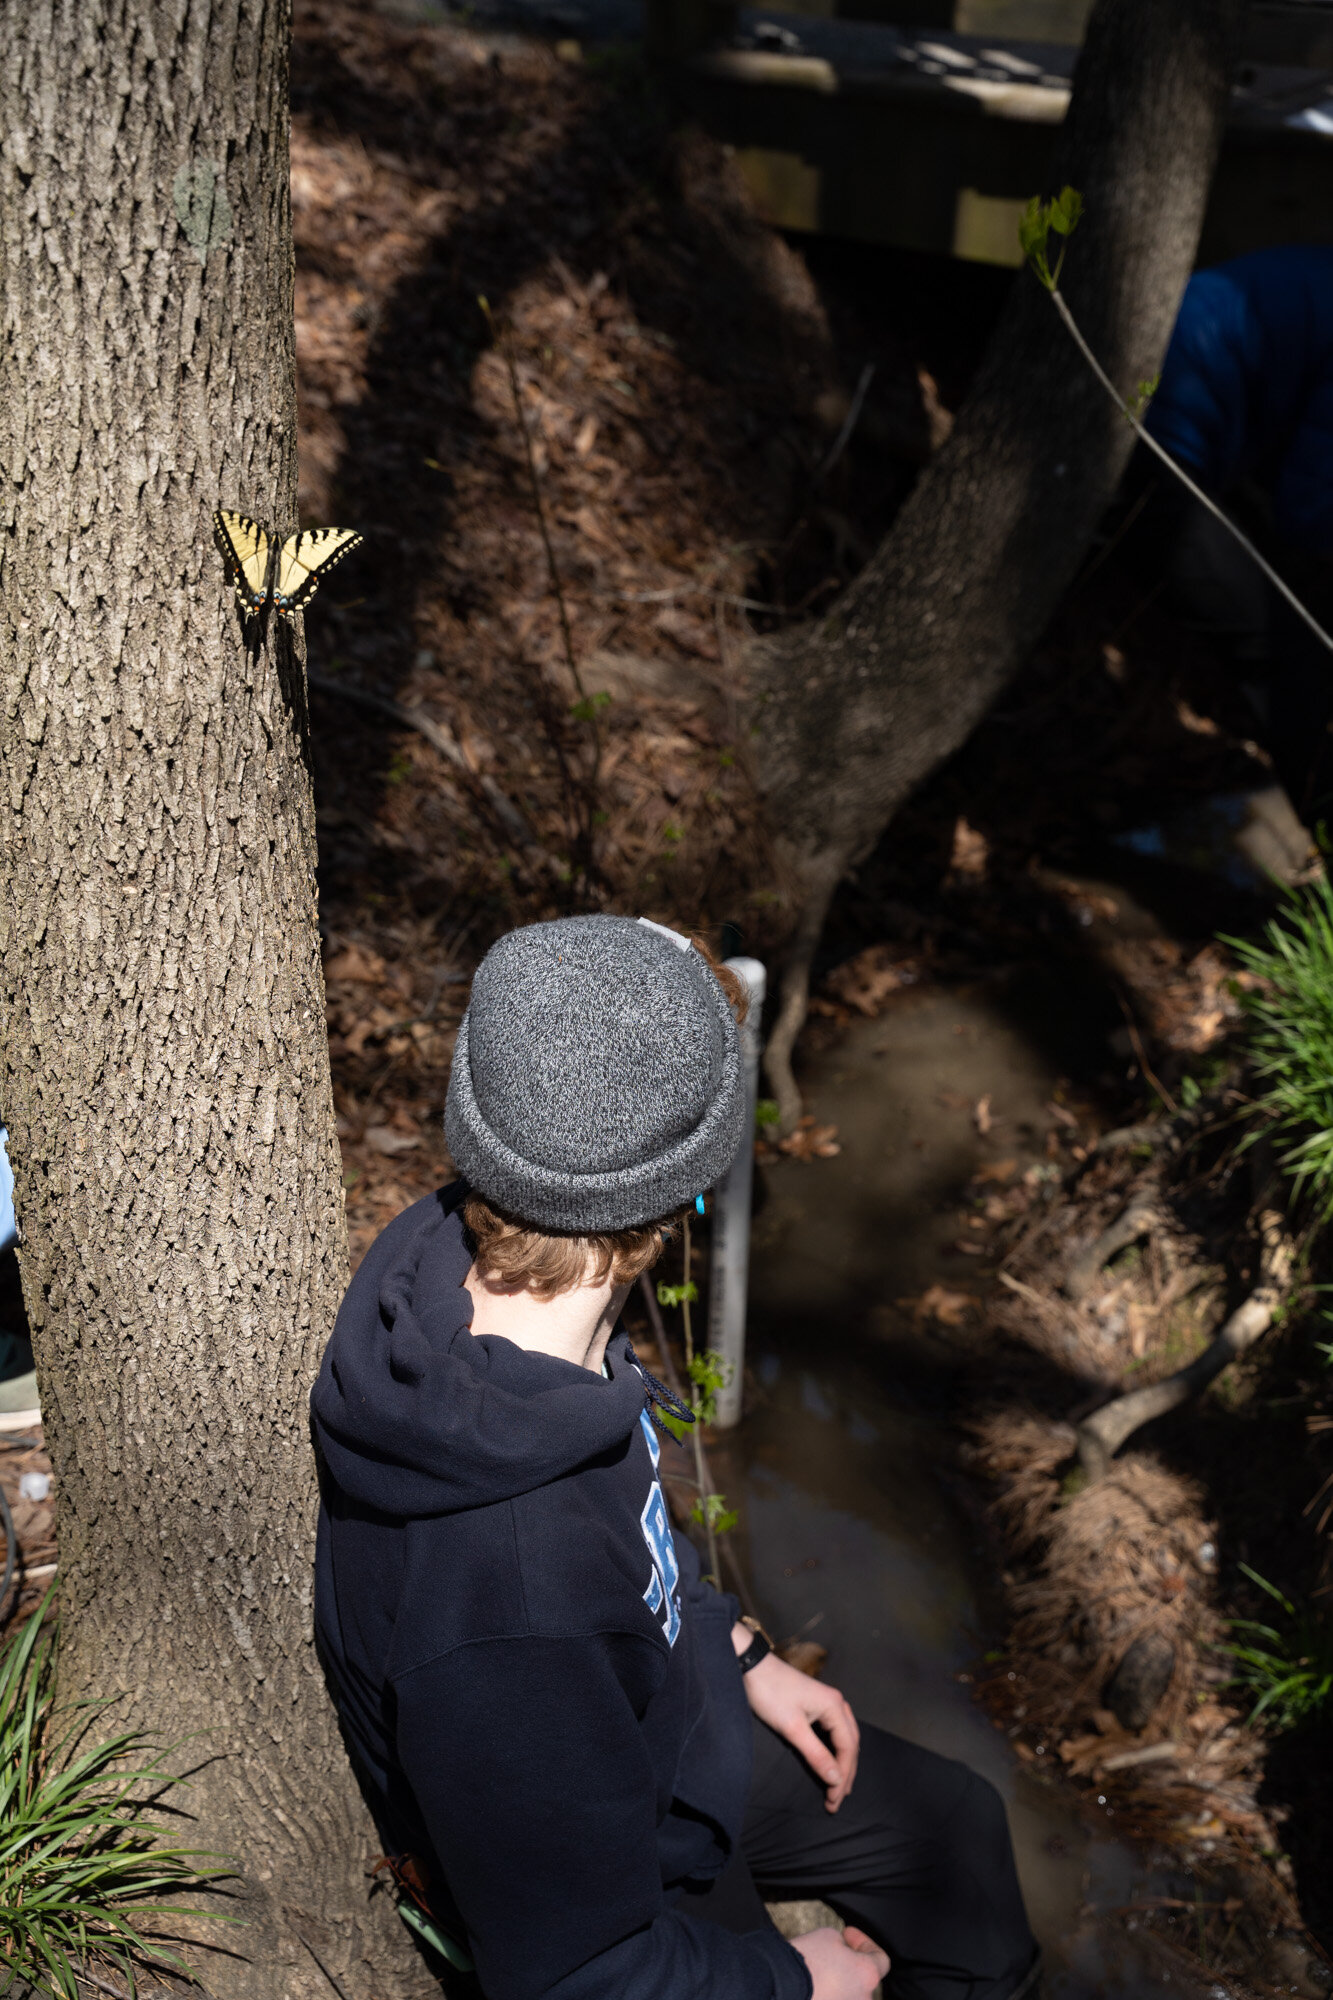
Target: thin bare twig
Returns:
[[659, 1335], [849, 423], [338, 1988], [674, 595], [677, 1389], [441, 739], [705, 1487], [90, 1978], [587, 707], [1151, 1133], [1027, 1292], [1136, 1043]]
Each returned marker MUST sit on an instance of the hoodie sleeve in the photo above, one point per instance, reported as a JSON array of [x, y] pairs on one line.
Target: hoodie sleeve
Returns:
[[530, 1771], [705, 1600]]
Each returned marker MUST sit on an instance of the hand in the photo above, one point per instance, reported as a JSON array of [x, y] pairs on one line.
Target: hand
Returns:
[[843, 1967], [791, 1703]]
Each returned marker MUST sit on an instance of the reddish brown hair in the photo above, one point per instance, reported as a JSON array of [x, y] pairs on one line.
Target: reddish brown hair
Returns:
[[525, 1259]]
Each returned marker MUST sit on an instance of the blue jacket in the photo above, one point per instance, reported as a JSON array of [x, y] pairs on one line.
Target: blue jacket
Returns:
[[1247, 385], [540, 1695]]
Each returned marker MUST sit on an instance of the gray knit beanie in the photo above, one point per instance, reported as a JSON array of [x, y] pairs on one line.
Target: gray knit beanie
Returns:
[[597, 1080]]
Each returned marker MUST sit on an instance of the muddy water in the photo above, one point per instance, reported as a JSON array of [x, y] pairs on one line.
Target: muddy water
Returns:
[[859, 1529]]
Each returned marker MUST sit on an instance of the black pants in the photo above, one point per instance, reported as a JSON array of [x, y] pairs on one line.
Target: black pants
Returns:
[[918, 1856]]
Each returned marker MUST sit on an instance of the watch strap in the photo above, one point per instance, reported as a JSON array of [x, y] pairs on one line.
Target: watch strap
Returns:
[[757, 1650]]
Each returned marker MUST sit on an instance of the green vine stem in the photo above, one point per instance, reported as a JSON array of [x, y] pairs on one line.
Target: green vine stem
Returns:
[[696, 1428], [1062, 215]]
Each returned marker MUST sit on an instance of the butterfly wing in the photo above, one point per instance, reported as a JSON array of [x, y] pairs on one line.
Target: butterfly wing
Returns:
[[303, 560], [246, 547]]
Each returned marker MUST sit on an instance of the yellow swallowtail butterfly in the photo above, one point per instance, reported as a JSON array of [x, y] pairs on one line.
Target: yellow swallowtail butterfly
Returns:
[[264, 571]]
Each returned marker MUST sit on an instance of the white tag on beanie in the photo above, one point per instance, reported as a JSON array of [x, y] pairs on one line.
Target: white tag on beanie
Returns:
[[662, 931]]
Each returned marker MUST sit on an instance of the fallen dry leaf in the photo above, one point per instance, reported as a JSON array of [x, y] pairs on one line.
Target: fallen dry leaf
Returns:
[[996, 1170], [1083, 1754], [355, 963], [811, 1142], [385, 1140], [866, 981], [1086, 903], [971, 852], [981, 1115], [1189, 718], [938, 1302]]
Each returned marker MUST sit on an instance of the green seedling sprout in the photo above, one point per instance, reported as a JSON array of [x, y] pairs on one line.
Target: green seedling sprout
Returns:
[[1290, 1673], [708, 1372]]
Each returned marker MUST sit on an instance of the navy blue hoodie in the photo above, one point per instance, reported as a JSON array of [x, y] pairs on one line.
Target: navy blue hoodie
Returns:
[[541, 1696]]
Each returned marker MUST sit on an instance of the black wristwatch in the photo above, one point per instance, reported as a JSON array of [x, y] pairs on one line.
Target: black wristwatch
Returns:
[[757, 1649]]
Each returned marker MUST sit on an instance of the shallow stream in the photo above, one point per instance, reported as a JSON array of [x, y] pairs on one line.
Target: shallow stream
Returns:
[[859, 1528]]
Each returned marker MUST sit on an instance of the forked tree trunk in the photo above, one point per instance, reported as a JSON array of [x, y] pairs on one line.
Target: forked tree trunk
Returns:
[[850, 715], [165, 1070]]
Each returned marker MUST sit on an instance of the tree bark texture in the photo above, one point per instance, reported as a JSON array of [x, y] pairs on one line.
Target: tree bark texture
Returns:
[[848, 716], [165, 1071]]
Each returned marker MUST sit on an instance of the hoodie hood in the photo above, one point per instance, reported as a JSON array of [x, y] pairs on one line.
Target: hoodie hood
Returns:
[[416, 1415]]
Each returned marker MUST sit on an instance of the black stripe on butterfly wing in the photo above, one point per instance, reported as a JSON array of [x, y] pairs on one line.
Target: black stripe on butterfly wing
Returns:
[[247, 550], [302, 561]]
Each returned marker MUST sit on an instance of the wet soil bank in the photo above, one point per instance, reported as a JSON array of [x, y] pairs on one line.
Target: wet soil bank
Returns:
[[902, 1472]]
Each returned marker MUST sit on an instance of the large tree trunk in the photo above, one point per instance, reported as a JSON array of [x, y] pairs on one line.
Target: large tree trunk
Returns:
[[165, 1070], [850, 715]]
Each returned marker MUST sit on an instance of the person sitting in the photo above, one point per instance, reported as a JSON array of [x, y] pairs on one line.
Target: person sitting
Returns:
[[1245, 405], [581, 1761]]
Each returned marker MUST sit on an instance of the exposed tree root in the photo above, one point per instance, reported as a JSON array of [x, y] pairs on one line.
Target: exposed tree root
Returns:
[[1102, 1434], [794, 989], [794, 995], [1134, 1221]]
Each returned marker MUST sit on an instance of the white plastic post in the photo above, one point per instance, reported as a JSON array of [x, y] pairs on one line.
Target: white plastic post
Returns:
[[731, 1215]]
